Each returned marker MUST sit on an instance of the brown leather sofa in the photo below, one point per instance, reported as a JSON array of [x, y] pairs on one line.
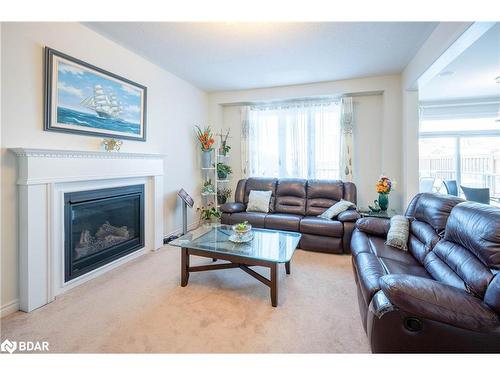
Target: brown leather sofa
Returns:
[[443, 294], [295, 205]]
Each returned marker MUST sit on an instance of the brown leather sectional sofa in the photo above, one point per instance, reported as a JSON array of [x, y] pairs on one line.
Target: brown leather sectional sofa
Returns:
[[443, 294], [295, 205]]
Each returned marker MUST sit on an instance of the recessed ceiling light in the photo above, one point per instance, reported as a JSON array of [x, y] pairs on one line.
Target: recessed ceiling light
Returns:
[[446, 73]]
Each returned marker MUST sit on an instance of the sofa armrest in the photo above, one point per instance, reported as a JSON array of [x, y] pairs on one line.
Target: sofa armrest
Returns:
[[232, 207], [429, 299], [380, 304], [349, 215], [376, 226]]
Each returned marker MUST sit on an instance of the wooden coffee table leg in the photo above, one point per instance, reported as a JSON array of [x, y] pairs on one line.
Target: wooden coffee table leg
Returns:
[[184, 266], [274, 284], [287, 268]]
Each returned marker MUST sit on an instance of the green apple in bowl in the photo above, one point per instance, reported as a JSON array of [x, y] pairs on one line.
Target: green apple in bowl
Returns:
[[242, 228]]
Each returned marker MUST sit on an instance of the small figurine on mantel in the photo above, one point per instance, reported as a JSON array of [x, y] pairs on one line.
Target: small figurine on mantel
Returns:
[[111, 144]]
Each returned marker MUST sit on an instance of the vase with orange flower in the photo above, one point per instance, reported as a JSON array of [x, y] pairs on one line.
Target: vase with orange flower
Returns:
[[206, 139], [384, 186]]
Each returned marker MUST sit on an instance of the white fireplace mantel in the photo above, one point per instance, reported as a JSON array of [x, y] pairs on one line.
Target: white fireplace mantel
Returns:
[[44, 176]]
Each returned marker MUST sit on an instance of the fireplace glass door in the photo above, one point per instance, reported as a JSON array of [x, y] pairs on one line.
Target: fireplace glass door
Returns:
[[102, 226]]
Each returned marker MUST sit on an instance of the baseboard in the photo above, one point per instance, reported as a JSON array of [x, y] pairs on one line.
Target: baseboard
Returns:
[[178, 231], [9, 308]]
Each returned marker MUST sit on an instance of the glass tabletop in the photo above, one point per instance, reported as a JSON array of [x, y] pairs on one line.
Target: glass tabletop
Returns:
[[267, 244]]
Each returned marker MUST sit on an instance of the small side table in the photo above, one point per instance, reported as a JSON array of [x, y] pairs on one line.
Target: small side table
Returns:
[[382, 214]]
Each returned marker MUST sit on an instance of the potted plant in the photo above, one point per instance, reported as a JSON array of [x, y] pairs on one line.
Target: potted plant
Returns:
[[208, 213], [206, 139], [223, 171], [208, 187], [224, 147], [384, 187], [222, 195]]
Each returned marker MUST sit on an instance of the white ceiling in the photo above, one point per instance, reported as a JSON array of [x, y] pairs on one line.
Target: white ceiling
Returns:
[[234, 56], [471, 75]]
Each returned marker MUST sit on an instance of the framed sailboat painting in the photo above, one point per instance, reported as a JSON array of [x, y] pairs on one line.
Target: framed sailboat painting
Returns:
[[84, 99]]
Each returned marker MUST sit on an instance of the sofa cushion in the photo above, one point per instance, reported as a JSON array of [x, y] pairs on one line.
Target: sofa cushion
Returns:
[[259, 183], [232, 207], [492, 295], [336, 209], [436, 301], [442, 272], [239, 192], [422, 239], [392, 266], [374, 225], [398, 232], [258, 201], [434, 209], [369, 271], [256, 219], [466, 265], [283, 222], [476, 227], [321, 243], [360, 243], [349, 216], [350, 193], [322, 227], [322, 194], [291, 196], [378, 247]]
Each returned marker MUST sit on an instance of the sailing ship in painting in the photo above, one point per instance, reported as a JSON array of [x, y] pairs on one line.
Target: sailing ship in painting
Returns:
[[106, 106], [90, 100]]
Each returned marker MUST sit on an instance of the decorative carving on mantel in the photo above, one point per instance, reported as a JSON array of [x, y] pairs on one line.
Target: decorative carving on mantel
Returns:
[[46, 153]]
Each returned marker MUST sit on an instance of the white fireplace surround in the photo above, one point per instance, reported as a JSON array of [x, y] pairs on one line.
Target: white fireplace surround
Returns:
[[43, 178]]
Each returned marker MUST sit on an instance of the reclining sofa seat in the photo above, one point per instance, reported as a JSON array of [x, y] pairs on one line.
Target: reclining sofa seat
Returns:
[[294, 206], [443, 294]]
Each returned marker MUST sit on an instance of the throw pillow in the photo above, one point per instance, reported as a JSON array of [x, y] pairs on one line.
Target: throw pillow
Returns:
[[398, 232], [336, 209], [258, 201]]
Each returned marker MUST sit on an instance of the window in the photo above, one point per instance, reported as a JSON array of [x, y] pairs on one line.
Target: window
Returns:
[[465, 150], [299, 140]]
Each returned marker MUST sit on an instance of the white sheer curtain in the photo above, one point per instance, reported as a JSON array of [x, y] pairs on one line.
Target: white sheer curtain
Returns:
[[295, 139], [244, 119], [347, 145]]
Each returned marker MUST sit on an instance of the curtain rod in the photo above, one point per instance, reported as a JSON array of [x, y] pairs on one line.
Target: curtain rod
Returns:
[[300, 99]]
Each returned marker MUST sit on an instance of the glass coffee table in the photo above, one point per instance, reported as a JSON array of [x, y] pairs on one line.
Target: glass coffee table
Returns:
[[268, 248]]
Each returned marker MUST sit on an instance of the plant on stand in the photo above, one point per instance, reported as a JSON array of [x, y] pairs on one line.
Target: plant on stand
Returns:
[[223, 171], [208, 187], [208, 213], [222, 195], [384, 187], [206, 139], [224, 147]]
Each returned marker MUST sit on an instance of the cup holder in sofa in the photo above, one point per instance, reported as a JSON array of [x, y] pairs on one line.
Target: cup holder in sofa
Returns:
[[412, 324]]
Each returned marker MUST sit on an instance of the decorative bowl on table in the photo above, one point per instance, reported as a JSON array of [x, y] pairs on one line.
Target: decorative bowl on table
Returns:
[[242, 232]]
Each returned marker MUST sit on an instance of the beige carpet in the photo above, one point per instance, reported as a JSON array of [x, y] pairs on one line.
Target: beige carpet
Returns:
[[141, 308]]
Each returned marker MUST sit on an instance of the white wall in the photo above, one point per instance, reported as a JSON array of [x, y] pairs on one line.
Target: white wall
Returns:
[[377, 133], [440, 40], [174, 106]]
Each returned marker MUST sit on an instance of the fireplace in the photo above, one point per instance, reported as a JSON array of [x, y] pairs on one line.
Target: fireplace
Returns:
[[101, 226]]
